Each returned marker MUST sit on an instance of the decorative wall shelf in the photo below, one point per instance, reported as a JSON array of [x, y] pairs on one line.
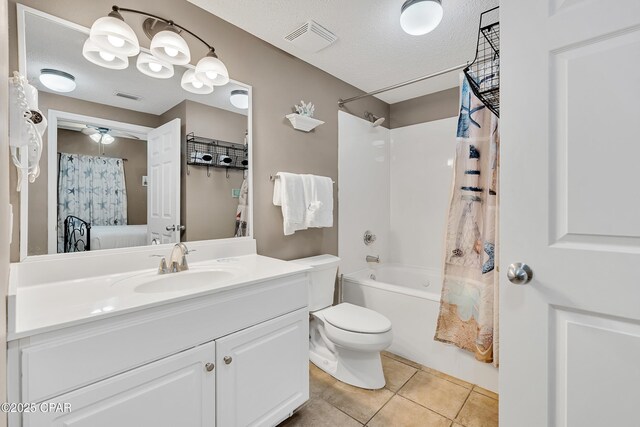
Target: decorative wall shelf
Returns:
[[303, 123]]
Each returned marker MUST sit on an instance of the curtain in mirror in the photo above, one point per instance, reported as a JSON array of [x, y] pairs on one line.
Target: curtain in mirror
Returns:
[[91, 188]]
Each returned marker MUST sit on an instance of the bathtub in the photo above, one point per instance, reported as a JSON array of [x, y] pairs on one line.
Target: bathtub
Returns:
[[410, 298]]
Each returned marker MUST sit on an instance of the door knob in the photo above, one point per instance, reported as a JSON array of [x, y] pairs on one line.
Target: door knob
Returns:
[[209, 366], [171, 228], [227, 359], [519, 273]]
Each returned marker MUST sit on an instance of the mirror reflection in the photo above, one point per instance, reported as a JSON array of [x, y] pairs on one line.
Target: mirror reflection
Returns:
[[134, 156]]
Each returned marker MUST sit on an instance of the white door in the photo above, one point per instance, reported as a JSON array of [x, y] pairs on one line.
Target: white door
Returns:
[[570, 208], [163, 191], [263, 372], [175, 391]]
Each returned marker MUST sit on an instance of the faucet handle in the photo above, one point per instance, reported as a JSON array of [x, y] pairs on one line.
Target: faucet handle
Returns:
[[162, 268], [175, 267]]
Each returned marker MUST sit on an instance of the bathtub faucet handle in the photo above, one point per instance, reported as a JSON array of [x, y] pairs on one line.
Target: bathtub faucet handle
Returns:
[[371, 258]]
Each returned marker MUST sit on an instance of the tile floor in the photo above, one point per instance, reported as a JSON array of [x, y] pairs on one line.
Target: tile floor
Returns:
[[415, 396]]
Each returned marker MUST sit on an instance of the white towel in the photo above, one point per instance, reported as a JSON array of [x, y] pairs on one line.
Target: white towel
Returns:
[[288, 192], [318, 192]]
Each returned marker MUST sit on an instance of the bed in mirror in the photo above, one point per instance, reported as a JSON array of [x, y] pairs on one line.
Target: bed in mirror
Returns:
[[130, 159]]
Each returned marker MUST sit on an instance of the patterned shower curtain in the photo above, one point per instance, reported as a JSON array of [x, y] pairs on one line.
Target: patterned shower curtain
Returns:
[[469, 303], [242, 228], [91, 188]]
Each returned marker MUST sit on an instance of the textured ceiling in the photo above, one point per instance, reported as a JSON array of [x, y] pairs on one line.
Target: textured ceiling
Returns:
[[51, 44], [372, 50]]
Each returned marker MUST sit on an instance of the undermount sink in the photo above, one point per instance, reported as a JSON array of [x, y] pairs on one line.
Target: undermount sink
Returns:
[[178, 282]]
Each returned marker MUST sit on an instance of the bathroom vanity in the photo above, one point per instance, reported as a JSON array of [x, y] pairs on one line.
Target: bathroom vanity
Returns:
[[224, 343]]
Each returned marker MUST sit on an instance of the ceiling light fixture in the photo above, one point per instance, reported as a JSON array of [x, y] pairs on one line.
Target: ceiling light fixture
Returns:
[[239, 98], [191, 84], [57, 80], [419, 17], [154, 67], [102, 137], [112, 41]]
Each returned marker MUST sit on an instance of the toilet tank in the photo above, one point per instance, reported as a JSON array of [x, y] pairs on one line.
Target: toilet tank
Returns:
[[323, 279]]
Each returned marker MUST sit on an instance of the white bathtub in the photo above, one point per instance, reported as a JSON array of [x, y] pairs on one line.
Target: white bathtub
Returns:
[[410, 298]]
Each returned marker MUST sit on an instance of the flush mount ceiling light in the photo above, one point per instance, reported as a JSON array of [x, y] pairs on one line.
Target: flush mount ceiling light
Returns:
[[239, 98], [112, 34], [154, 67], [419, 17], [112, 41], [191, 84], [57, 80], [101, 57], [212, 71]]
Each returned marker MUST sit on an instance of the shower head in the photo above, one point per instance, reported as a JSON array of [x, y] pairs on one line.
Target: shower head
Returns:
[[375, 120]]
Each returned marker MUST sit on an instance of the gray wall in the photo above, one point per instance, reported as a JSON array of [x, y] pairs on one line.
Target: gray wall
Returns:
[[135, 167], [427, 108], [279, 81], [4, 208]]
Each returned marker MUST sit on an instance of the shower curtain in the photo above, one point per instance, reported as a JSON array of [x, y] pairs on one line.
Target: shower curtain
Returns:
[[469, 303], [91, 188]]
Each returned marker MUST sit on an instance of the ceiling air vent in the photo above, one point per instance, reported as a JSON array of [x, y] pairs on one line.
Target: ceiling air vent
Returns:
[[128, 96], [311, 37]]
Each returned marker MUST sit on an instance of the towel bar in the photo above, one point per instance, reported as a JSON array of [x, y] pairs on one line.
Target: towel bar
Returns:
[[274, 177]]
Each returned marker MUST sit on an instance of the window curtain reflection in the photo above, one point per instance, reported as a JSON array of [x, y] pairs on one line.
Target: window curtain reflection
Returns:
[[91, 188]]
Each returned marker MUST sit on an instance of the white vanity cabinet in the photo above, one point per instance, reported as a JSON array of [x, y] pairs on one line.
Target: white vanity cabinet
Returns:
[[228, 359], [263, 372], [178, 390]]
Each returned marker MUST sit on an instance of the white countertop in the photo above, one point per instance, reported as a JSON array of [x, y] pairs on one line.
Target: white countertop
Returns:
[[44, 307]]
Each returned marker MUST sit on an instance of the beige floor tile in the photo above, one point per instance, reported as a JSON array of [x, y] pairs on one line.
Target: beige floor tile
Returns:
[[402, 359], [396, 373], [319, 381], [401, 412], [435, 393], [479, 411], [448, 377], [318, 413], [486, 392], [359, 403]]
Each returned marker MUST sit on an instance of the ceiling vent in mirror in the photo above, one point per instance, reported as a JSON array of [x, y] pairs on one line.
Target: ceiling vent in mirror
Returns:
[[128, 96], [311, 37]]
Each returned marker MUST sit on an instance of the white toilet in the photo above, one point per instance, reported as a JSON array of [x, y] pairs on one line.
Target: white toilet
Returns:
[[344, 340]]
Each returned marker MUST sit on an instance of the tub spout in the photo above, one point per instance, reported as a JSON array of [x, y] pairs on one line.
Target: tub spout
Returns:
[[371, 258]]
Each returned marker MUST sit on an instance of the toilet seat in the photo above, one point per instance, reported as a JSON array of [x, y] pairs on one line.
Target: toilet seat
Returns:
[[356, 319]]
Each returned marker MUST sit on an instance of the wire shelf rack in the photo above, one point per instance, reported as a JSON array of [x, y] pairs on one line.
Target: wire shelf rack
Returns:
[[215, 153], [484, 72]]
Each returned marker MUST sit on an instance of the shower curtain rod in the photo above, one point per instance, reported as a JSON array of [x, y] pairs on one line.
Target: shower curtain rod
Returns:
[[341, 102]]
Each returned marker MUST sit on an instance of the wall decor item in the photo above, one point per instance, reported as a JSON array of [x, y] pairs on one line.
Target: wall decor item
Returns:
[[303, 123], [305, 109]]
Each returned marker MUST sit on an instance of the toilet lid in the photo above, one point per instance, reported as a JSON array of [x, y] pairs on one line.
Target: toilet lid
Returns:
[[356, 319]]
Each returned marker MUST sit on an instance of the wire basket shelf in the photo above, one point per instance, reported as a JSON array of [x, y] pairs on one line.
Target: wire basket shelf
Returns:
[[484, 72], [215, 153]]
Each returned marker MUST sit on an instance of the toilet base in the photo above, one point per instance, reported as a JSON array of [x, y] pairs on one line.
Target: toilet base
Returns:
[[357, 368]]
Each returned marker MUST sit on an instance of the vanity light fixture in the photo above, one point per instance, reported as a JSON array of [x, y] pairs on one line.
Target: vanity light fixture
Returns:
[[111, 41], [93, 53], [57, 80], [240, 98], [192, 84], [419, 17], [211, 70], [154, 67]]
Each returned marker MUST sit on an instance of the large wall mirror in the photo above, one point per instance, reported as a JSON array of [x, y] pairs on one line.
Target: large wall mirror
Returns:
[[129, 159]]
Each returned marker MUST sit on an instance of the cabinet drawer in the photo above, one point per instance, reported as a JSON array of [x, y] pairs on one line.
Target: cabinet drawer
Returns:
[[62, 361], [174, 391]]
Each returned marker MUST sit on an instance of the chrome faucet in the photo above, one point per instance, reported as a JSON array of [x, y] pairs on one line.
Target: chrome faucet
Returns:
[[371, 258], [177, 260]]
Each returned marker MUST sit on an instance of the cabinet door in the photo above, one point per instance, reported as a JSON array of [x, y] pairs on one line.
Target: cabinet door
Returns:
[[263, 372], [178, 390]]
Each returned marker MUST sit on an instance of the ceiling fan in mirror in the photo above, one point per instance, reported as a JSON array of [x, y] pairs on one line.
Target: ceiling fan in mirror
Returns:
[[112, 42]]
